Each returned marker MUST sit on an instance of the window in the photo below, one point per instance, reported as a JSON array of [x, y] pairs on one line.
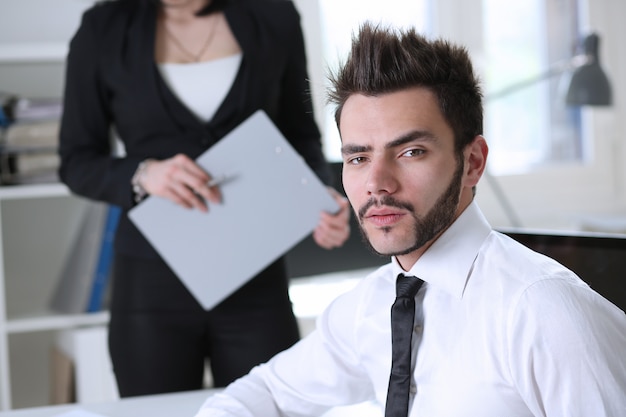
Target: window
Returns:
[[526, 129], [531, 126]]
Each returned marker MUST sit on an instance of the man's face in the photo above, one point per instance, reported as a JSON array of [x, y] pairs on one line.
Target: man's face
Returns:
[[400, 172]]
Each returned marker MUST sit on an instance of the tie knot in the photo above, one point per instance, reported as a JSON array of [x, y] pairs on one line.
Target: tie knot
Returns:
[[407, 286]]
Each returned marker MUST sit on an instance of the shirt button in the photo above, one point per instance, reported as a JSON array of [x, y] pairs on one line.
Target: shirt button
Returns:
[[418, 328], [413, 389]]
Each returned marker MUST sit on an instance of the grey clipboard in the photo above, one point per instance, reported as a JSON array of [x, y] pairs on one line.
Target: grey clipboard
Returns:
[[271, 201]]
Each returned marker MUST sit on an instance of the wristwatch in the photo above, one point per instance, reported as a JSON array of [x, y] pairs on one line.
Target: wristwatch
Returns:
[[139, 193]]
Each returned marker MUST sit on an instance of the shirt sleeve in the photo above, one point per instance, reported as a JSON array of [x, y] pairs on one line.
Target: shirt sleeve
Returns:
[[566, 347], [85, 142], [320, 372]]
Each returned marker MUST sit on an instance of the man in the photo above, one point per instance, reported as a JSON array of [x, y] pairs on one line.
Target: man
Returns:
[[499, 329]]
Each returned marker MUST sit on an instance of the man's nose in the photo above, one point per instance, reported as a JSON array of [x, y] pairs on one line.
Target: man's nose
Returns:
[[381, 178]]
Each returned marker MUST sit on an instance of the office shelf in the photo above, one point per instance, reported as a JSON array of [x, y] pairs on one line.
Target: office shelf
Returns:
[[38, 223], [33, 52], [14, 192], [44, 321]]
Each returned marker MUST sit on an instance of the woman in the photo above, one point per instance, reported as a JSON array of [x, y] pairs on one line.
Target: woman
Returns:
[[172, 78]]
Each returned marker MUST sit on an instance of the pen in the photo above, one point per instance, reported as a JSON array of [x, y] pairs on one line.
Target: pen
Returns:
[[215, 181]]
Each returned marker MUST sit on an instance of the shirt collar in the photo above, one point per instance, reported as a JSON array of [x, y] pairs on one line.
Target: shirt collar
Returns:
[[448, 262]]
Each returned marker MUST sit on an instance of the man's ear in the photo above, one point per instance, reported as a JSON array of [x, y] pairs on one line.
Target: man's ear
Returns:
[[475, 160]]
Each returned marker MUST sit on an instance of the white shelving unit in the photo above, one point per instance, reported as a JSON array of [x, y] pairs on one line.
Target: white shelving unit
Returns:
[[32, 52], [37, 225]]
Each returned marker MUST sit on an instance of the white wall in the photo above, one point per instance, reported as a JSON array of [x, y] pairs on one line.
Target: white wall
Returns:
[[31, 60]]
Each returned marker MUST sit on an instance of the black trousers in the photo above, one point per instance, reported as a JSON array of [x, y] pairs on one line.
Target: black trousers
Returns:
[[160, 337]]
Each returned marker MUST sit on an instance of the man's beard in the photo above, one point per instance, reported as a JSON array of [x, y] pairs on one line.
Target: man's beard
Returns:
[[425, 227]]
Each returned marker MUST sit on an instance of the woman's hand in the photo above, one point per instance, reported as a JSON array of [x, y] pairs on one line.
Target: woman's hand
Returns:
[[334, 229], [180, 180]]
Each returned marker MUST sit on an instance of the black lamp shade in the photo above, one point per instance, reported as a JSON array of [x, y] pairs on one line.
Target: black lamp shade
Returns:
[[589, 85]]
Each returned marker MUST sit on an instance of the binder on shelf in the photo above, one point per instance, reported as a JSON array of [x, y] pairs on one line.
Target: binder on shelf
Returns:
[[62, 381], [105, 259], [28, 109], [29, 152], [86, 349], [77, 283], [72, 291]]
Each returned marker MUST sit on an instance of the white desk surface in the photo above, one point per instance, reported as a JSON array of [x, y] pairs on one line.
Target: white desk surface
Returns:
[[184, 404]]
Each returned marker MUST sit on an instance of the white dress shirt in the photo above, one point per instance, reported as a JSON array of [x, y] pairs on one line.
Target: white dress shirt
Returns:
[[501, 331]]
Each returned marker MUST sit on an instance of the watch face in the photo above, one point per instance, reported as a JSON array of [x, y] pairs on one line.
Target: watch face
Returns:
[[139, 193]]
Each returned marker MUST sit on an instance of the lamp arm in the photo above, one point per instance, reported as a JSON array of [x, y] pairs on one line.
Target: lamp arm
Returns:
[[554, 70]]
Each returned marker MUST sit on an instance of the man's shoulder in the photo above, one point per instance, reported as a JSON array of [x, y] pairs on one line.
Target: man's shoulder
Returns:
[[521, 267]]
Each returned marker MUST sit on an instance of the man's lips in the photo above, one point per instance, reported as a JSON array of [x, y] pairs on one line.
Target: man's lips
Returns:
[[383, 216]]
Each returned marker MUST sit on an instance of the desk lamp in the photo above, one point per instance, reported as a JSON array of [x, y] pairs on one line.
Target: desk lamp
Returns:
[[588, 86]]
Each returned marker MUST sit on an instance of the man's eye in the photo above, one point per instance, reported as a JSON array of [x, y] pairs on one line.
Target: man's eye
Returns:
[[356, 160], [414, 152]]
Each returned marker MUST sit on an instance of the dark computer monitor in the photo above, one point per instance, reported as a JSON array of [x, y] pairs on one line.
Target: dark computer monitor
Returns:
[[600, 260]]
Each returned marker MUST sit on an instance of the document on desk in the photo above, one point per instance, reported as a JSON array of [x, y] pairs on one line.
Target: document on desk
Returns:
[[79, 413], [271, 200]]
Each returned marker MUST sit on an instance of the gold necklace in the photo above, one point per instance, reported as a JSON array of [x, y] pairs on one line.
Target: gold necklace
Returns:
[[181, 47]]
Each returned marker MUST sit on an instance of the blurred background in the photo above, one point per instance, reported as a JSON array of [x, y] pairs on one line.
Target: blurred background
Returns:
[[551, 166]]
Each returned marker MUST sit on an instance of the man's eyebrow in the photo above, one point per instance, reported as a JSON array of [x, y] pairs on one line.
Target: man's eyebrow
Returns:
[[415, 135], [352, 149]]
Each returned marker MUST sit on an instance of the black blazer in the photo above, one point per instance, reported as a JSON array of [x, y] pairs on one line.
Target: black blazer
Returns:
[[112, 81]]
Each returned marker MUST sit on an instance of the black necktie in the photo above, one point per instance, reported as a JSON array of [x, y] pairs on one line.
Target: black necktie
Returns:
[[402, 314]]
